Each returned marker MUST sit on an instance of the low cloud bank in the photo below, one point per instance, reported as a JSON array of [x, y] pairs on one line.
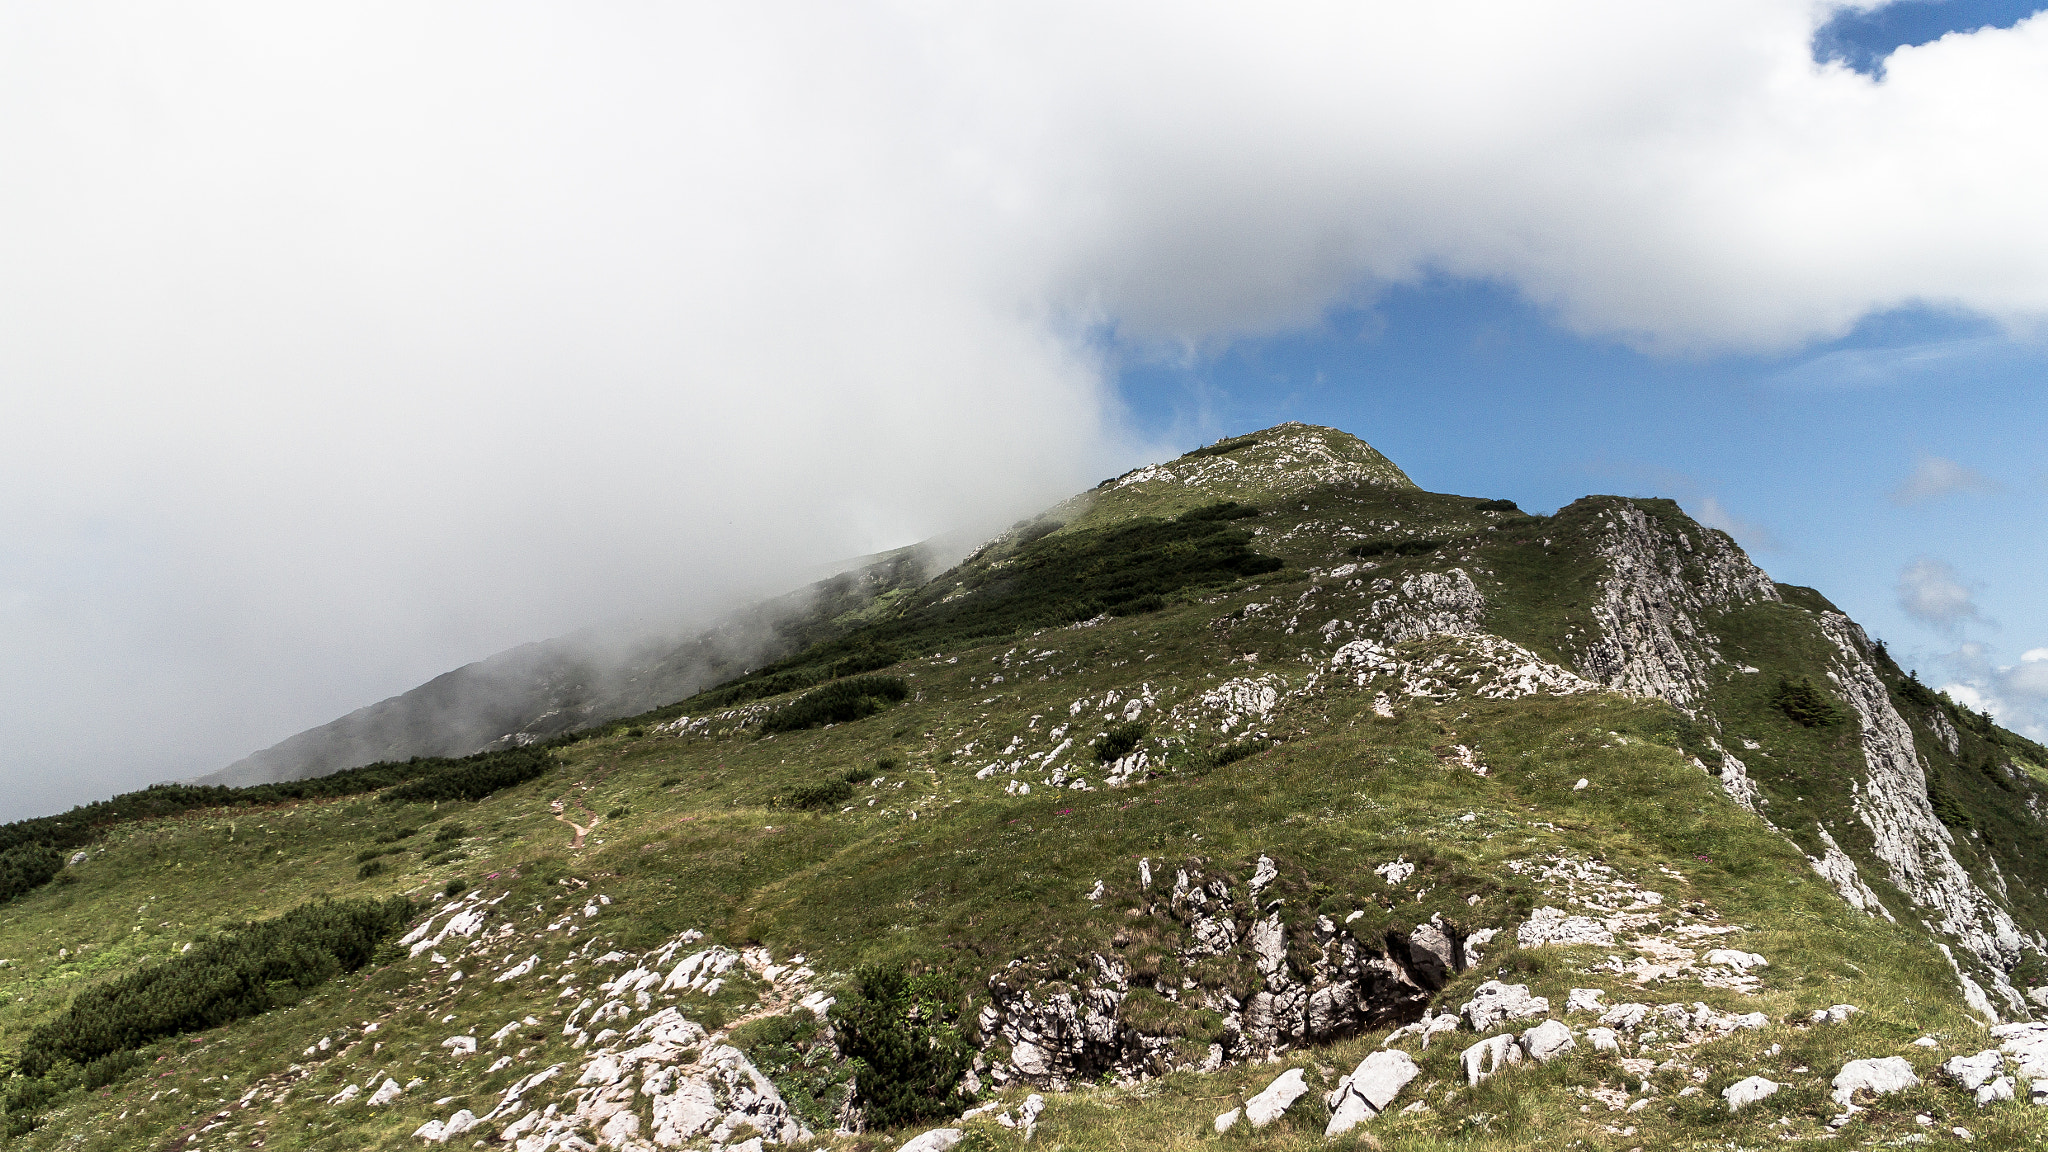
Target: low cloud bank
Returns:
[[345, 345]]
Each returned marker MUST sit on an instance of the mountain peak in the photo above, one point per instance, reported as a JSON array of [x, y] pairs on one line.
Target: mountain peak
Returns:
[[1251, 468]]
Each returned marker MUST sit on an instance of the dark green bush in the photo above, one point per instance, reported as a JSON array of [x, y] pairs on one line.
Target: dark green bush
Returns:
[[239, 973], [396, 835], [1913, 691], [1221, 447], [1947, 808], [1807, 703], [1232, 753], [1496, 506], [429, 778], [450, 832], [455, 887], [1118, 742], [475, 777], [1416, 547], [908, 1049], [1138, 605], [1227, 510], [27, 866], [370, 868], [1054, 580], [824, 794], [839, 702]]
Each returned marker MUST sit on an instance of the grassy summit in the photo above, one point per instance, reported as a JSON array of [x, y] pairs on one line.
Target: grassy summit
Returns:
[[1236, 765]]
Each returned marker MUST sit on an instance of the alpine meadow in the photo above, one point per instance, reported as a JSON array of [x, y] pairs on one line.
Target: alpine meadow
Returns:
[[1254, 798]]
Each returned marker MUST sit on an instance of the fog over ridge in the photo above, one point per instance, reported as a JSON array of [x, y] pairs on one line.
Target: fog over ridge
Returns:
[[344, 347]]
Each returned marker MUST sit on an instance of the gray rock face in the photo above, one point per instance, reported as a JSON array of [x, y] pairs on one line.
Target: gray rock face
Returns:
[[1972, 1071], [1430, 604], [1370, 1088], [1062, 1029], [1838, 870], [1892, 802], [1659, 587]]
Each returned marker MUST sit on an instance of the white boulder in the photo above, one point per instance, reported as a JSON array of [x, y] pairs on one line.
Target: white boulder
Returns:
[[1745, 1092], [385, 1094], [1547, 1041], [1369, 1089], [1494, 1002], [936, 1140], [1973, 1071], [1270, 1104], [1489, 1056], [1880, 1076], [1585, 1000]]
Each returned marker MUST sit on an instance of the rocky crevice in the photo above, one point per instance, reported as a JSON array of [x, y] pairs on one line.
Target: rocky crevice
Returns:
[[1303, 983]]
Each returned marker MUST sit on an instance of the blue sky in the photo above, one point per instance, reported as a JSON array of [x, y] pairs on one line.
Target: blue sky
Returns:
[[1801, 457], [1902, 469]]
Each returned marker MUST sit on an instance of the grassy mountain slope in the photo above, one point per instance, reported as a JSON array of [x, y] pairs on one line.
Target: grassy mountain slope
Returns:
[[538, 691], [1152, 821]]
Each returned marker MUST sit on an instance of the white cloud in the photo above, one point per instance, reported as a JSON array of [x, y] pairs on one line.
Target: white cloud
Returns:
[[2016, 695], [344, 343], [1709, 511], [1933, 593], [1935, 477]]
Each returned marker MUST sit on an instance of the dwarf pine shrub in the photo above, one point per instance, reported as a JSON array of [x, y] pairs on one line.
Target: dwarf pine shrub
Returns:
[[839, 702], [242, 972], [823, 794], [1807, 703], [910, 1053], [1118, 742]]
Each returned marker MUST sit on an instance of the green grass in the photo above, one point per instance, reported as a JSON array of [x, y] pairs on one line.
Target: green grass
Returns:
[[917, 865]]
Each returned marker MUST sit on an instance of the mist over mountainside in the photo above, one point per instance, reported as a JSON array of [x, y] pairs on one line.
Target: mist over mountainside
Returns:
[[1255, 796], [543, 689]]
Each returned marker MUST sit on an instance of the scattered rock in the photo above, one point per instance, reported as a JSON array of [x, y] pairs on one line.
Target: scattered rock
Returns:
[[1494, 1002], [1879, 1076], [1603, 1039], [1488, 1057], [1547, 1041], [2027, 1044], [1370, 1088], [1395, 871], [1556, 926], [1584, 1000], [1276, 1099], [1738, 960], [1745, 1092], [1834, 1015], [385, 1094], [936, 1140], [1227, 1120]]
